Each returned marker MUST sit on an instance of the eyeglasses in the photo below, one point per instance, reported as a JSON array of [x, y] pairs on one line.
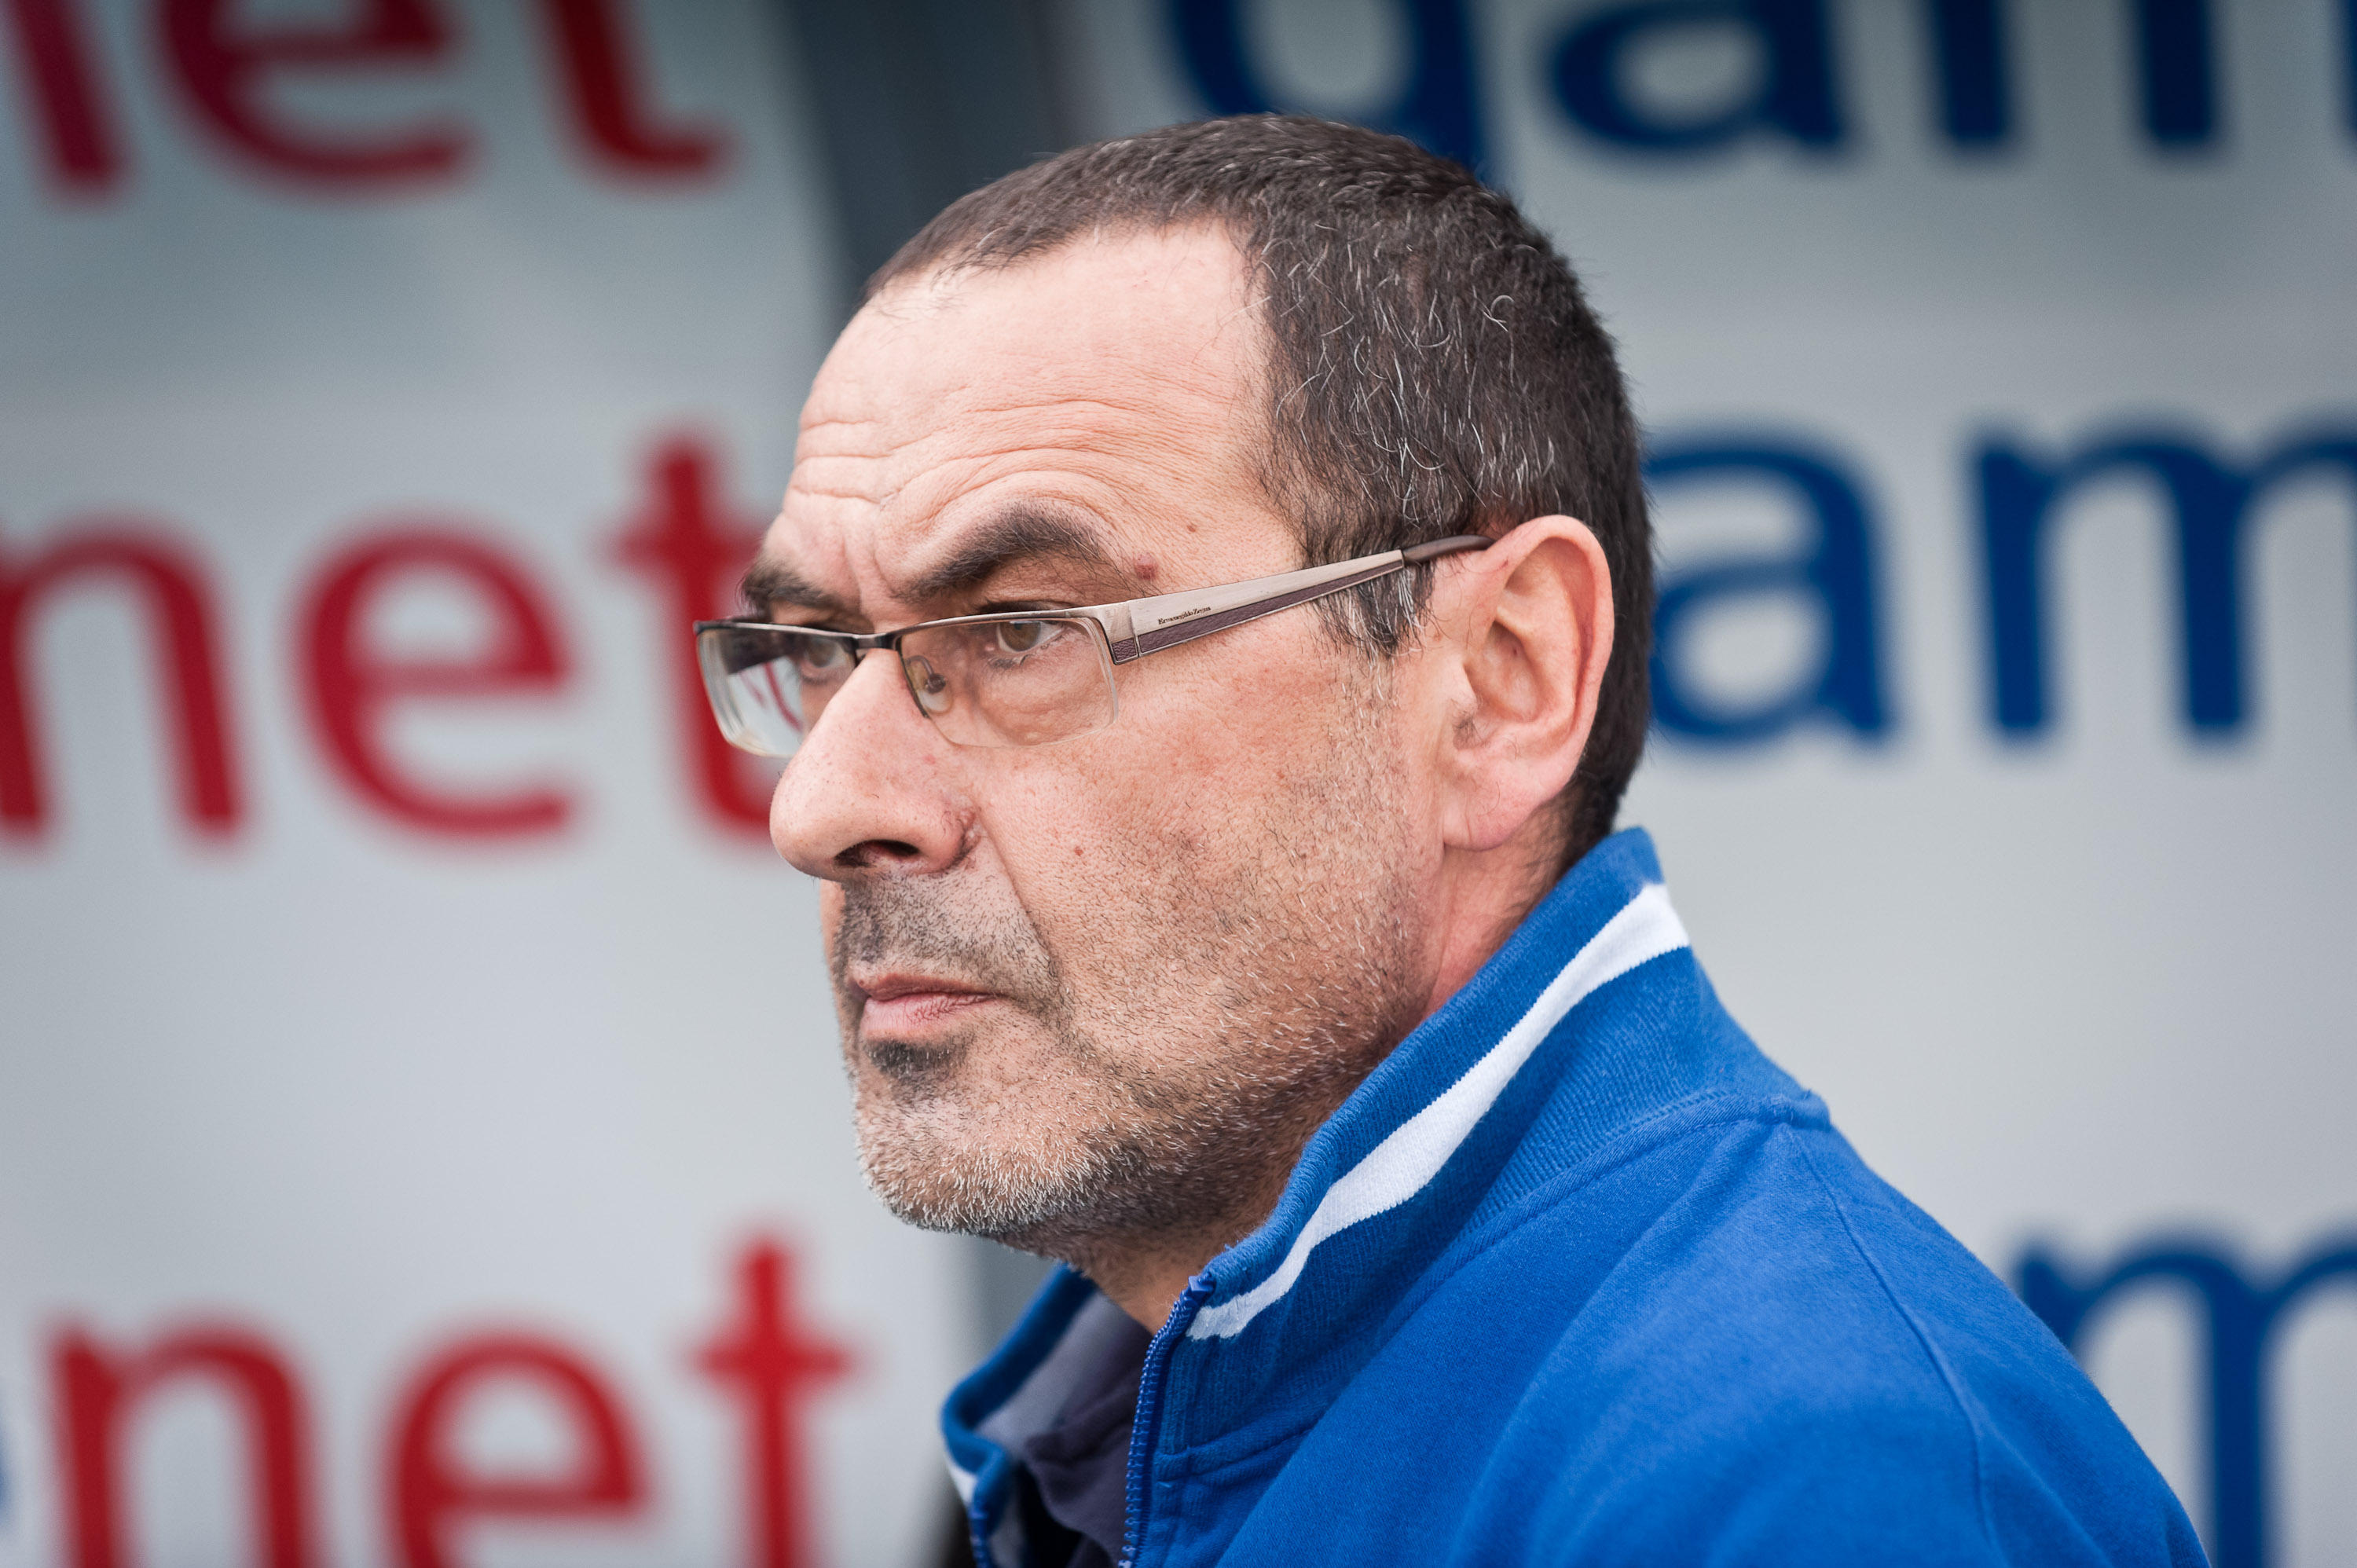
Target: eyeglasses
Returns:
[[1028, 678]]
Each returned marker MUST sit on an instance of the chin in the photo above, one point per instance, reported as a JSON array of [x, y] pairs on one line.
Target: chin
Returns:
[[938, 1166]]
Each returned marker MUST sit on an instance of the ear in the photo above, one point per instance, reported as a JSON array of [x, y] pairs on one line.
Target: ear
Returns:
[[1527, 630]]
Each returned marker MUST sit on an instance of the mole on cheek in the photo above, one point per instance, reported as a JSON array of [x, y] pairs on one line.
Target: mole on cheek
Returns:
[[1146, 567]]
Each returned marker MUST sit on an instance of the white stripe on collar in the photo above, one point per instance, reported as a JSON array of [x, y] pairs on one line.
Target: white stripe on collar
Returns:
[[964, 1480], [1400, 1166]]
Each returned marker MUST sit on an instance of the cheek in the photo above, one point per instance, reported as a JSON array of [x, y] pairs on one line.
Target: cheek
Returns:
[[1226, 752], [1064, 831], [1184, 799]]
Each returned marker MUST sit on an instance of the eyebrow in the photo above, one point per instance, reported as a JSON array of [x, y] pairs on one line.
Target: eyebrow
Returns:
[[1019, 534], [769, 582]]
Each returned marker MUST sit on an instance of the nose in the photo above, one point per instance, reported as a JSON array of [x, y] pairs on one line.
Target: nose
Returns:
[[871, 792]]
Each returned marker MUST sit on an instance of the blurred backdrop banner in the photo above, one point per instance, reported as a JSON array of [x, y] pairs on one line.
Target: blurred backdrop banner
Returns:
[[421, 1136]]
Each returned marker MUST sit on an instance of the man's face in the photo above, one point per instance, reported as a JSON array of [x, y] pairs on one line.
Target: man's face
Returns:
[[1103, 988]]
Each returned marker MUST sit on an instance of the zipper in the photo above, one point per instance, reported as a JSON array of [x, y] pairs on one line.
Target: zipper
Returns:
[[1145, 1430]]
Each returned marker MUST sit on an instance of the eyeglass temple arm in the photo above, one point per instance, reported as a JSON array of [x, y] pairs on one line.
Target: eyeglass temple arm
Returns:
[[1169, 619]]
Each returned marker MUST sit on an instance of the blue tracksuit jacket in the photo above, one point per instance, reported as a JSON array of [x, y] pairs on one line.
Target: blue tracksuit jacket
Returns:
[[1578, 1276]]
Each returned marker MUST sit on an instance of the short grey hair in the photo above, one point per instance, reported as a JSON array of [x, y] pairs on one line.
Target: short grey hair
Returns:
[[1435, 367]]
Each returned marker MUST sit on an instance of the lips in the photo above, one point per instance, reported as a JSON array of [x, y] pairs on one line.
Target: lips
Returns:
[[901, 1004]]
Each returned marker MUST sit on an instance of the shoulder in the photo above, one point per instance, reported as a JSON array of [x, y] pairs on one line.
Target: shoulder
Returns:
[[1781, 1360]]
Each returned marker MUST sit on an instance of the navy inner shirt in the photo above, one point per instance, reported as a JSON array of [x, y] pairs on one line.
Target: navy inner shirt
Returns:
[[1076, 1473]]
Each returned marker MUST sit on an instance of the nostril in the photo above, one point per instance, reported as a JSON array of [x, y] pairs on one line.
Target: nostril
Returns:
[[873, 853]]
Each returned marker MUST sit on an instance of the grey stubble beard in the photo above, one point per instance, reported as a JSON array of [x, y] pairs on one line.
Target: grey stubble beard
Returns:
[[1308, 998]]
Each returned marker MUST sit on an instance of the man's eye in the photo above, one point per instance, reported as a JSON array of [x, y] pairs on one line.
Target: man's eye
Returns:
[[821, 654], [1022, 635]]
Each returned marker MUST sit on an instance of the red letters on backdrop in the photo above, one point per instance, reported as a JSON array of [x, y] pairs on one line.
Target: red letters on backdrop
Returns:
[[773, 1365], [225, 69], [687, 543], [770, 1362], [178, 598], [691, 552], [63, 92], [608, 111], [222, 69], [431, 1490], [97, 1389], [352, 685]]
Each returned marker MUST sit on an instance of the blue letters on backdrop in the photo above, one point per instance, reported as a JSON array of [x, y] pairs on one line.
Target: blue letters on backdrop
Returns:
[[1438, 108], [2209, 500], [1797, 93], [2173, 55], [2349, 64], [2241, 1317], [1968, 59], [1834, 572]]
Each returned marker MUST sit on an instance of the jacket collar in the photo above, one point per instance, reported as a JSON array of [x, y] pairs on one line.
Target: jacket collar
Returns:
[[1592, 1028]]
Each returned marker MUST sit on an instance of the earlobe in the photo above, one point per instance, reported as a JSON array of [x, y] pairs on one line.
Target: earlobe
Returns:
[[1532, 634]]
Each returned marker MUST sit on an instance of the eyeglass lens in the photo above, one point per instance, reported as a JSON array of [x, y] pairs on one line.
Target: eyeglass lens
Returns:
[[993, 683]]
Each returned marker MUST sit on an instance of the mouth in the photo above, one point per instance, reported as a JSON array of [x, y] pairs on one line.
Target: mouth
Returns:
[[905, 1007]]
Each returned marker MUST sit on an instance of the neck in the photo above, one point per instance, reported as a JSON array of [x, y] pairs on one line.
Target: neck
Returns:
[[1484, 896], [1143, 1269], [1145, 1282]]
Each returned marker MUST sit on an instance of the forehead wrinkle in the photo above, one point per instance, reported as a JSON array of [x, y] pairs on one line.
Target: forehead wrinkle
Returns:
[[1122, 377], [1117, 419], [1086, 391], [1087, 439], [817, 416], [803, 483], [1135, 282], [1110, 401], [1080, 435]]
